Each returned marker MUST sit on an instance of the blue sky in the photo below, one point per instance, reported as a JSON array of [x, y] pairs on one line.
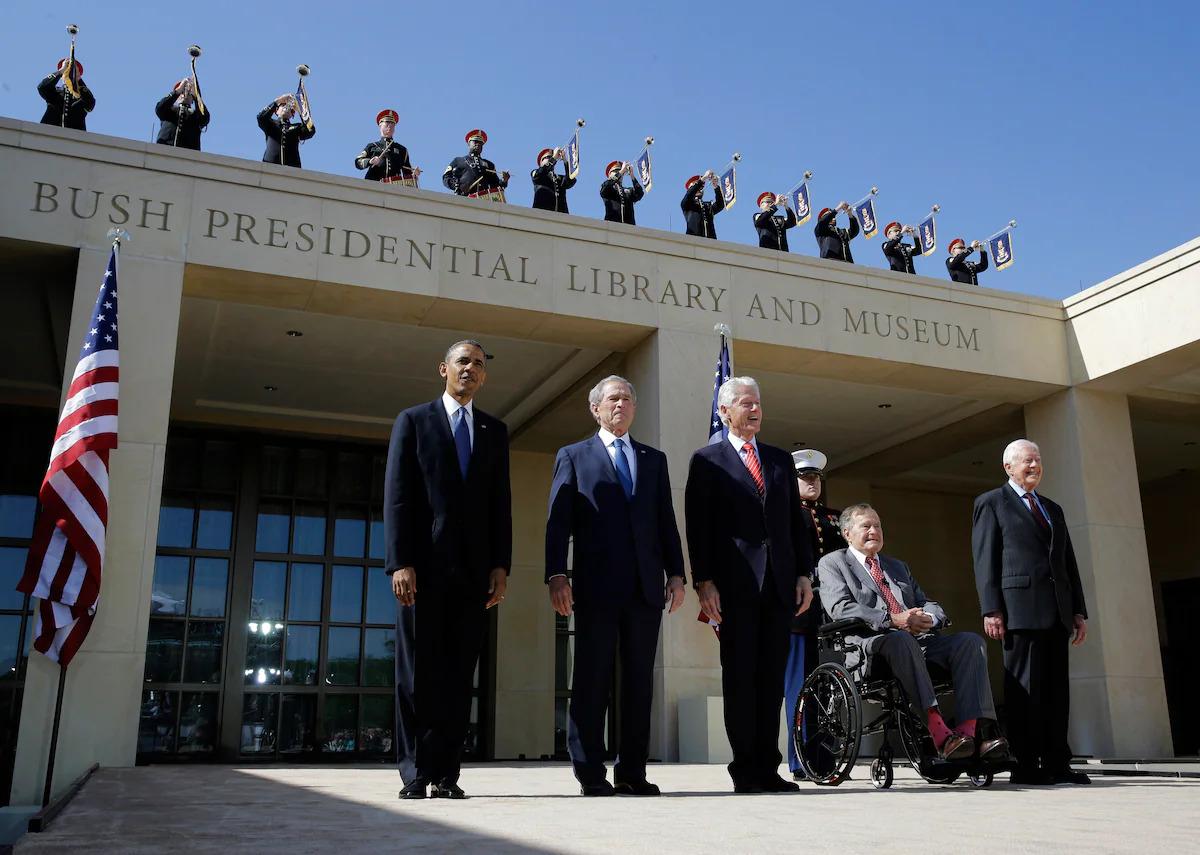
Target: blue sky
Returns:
[[1077, 119]]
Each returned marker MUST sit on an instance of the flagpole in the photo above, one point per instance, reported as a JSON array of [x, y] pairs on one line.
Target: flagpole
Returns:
[[727, 335]]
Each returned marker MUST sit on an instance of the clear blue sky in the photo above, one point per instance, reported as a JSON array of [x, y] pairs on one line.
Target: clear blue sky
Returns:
[[1077, 119]]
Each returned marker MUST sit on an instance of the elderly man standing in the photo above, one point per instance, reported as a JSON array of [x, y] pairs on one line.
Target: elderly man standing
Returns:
[[860, 582], [752, 573], [613, 495], [1032, 602]]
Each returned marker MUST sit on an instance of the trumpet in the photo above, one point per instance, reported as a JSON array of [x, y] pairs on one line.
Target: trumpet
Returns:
[[68, 75], [579, 123], [303, 105], [194, 52]]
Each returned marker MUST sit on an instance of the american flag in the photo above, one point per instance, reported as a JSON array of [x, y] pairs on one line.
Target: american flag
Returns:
[[67, 553], [717, 432]]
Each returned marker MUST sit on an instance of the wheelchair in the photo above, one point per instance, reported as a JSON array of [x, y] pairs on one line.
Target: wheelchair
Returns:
[[831, 718]]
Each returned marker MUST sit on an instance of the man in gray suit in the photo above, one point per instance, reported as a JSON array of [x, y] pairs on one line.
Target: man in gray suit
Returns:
[[859, 582]]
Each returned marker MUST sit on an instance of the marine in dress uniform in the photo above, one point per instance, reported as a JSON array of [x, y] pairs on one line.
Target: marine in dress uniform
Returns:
[[474, 175], [961, 270], [772, 227], [549, 187], [385, 159], [63, 108], [698, 214], [181, 117], [900, 254], [283, 135], [619, 199], [834, 242], [822, 528]]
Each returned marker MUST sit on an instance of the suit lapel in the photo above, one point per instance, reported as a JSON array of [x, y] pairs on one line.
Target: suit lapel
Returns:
[[641, 477], [860, 572], [1020, 508], [605, 464], [733, 462]]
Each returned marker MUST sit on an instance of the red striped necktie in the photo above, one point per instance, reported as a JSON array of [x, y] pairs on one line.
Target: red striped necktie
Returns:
[[755, 468], [884, 589], [1036, 509]]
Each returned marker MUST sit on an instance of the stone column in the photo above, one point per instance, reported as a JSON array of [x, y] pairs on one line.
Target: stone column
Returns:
[[673, 373], [1118, 700], [104, 681]]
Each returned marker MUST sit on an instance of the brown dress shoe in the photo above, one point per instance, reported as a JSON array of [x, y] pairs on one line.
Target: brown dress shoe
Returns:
[[994, 750], [957, 747]]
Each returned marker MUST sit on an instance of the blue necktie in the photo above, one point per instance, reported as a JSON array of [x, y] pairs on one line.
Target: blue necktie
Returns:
[[623, 473], [462, 441]]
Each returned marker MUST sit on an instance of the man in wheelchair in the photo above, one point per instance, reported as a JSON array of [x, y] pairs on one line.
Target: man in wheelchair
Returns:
[[902, 631]]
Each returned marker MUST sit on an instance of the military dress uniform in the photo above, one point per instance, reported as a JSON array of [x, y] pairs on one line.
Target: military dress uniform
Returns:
[[698, 214], [900, 254], [772, 227], [63, 108], [961, 270], [549, 187], [283, 137], [834, 242], [619, 199], [393, 165], [473, 174], [181, 123]]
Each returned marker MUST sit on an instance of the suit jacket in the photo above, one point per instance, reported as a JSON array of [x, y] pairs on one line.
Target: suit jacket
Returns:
[[61, 108], [900, 254], [967, 272], [698, 214], [619, 201], [550, 188], [772, 228], [449, 529], [283, 138], [622, 545], [1022, 571], [848, 591], [180, 128], [834, 242], [733, 535]]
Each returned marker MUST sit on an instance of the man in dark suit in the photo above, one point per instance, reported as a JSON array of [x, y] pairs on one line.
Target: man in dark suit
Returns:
[[1032, 601], [860, 582], [743, 510], [448, 529], [832, 241], [613, 495]]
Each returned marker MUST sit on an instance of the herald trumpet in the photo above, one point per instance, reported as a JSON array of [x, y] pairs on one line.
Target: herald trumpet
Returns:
[[649, 140], [73, 31], [579, 123], [194, 51], [303, 70]]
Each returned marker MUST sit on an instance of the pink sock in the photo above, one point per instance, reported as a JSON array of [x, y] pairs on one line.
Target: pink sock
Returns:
[[937, 726], [967, 728]]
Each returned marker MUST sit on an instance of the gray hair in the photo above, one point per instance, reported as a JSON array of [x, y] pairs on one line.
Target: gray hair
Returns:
[[729, 391], [597, 392], [847, 518], [469, 341], [1011, 450]]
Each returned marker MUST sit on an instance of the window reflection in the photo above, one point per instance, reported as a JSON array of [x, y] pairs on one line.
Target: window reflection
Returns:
[[303, 647], [16, 515], [298, 727], [12, 567], [343, 656], [10, 631], [379, 657], [340, 723], [264, 653], [175, 522], [156, 723], [259, 715], [208, 587], [164, 651], [376, 547], [308, 534], [205, 641], [381, 602], [215, 527], [272, 533], [345, 596], [350, 532], [198, 723], [266, 597], [377, 723], [304, 597], [168, 595]]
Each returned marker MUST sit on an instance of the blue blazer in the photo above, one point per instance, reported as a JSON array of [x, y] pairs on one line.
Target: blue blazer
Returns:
[[621, 544]]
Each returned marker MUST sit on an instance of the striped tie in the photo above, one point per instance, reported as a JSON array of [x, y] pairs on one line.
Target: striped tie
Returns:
[[884, 590], [755, 469]]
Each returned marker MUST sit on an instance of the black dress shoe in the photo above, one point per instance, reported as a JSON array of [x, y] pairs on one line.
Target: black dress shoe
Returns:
[[447, 790], [799, 775], [415, 790], [776, 784], [747, 788], [1029, 778], [637, 788], [1069, 776], [602, 788]]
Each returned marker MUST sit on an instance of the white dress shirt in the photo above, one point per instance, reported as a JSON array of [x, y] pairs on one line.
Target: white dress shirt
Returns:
[[1021, 491], [607, 437], [737, 442], [452, 407], [892, 586]]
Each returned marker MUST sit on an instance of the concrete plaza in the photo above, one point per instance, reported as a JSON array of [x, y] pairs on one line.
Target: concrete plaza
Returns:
[[533, 807]]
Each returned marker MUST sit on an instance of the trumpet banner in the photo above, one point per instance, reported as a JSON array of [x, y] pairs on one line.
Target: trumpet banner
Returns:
[[801, 204], [927, 232], [571, 149], [642, 166], [865, 212], [302, 102], [729, 186], [1001, 247]]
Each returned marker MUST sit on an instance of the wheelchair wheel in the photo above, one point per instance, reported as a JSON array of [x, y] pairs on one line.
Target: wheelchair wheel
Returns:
[[918, 746], [881, 773], [826, 724], [980, 780]]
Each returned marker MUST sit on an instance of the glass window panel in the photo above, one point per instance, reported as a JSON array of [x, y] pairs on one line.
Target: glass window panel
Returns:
[[376, 548], [10, 631], [381, 602], [215, 528], [353, 479], [273, 520], [343, 656], [298, 727], [208, 587], [169, 593], [16, 515], [379, 657], [183, 463], [378, 723], [350, 532], [378, 470], [260, 712], [308, 535], [564, 652], [345, 595], [198, 723], [311, 473], [266, 597], [164, 650], [203, 661], [220, 465], [275, 478], [264, 653], [175, 522], [304, 597], [303, 648], [340, 723], [156, 722], [12, 567], [560, 726]]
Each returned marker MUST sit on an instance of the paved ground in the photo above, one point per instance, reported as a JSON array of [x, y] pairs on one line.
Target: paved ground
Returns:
[[532, 807]]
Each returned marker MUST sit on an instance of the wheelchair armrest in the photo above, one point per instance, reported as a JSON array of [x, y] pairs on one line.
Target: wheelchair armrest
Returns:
[[845, 626]]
